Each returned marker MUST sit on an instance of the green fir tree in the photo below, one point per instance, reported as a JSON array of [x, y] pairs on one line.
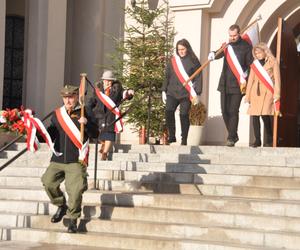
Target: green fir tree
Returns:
[[140, 62]]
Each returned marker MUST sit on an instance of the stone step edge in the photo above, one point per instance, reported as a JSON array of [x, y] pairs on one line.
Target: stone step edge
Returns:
[[293, 178], [187, 241], [175, 183], [203, 226], [135, 193], [157, 209]]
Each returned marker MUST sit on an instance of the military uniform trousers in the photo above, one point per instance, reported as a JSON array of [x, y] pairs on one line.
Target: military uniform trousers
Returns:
[[75, 177]]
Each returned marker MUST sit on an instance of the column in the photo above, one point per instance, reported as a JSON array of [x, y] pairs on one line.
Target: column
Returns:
[[45, 54]]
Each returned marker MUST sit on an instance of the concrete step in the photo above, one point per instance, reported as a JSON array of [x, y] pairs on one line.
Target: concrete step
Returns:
[[162, 215], [196, 189], [125, 241], [211, 158], [22, 245], [178, 149], [20, 176], [38, 201], [246, 170], [151, 228]]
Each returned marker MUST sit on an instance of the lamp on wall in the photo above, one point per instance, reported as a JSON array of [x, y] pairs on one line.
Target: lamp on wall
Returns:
[[152, 4]]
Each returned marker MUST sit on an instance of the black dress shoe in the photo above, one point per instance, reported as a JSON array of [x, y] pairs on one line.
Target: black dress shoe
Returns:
[[72, 228], [61, 211], [231, 142], [171, 140], [256, 144]]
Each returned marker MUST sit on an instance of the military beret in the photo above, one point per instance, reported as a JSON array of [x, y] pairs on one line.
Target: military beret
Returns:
[[69, 90]]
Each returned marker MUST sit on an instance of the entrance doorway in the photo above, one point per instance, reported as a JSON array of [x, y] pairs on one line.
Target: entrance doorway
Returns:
[[289, 123], [13, 64]]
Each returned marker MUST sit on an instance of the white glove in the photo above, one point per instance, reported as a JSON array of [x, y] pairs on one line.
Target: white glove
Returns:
[[164, 97], [196, 100], [211, 56]]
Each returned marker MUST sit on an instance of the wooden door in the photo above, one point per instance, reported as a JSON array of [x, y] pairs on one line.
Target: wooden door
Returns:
[[290, 79]]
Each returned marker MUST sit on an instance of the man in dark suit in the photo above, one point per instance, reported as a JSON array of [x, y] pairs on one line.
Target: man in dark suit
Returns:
[[237, 59]]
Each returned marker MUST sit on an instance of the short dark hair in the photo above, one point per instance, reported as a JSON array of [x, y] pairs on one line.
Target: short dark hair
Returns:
[[235, 27]]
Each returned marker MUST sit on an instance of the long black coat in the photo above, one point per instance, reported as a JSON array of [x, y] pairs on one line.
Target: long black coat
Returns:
[[62, 143], [97, 109], [173, 87], [228, 81]]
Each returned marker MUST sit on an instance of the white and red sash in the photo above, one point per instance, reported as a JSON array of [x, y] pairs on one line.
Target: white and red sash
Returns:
[[34, 125], [183, 76], [73, 133], [264, 77], [235, 65], [111, 106]]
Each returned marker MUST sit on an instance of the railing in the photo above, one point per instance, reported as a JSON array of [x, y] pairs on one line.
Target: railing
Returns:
[[96, 143], [14, 141]]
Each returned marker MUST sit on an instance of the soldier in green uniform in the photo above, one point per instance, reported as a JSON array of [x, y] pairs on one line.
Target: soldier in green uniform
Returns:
[[66, 166]]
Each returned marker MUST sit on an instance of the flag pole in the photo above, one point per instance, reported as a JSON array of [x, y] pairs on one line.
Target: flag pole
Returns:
[[81, 101], [278, 52]]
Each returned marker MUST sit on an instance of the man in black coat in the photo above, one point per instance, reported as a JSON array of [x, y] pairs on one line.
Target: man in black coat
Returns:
[[66, 164], [231, 87]]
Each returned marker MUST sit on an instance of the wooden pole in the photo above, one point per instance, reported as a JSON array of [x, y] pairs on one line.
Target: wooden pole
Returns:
[[278, 52], [81, 101]]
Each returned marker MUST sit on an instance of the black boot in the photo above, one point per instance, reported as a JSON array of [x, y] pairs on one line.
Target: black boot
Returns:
[[170, 122], [256, 128], [61, 211], [72, 228], [185, 125], [269, 130]]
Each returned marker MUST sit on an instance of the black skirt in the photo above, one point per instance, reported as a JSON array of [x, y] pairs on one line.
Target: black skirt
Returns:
[[108, 136]]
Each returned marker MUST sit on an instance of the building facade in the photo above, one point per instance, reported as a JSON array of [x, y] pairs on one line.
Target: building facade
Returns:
[[44, 44]]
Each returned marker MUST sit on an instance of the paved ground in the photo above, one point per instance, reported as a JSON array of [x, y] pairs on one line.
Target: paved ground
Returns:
[[8, 245]]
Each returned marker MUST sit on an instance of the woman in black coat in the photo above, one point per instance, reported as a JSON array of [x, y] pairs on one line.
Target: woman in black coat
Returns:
[[174, 93], [110, 86]]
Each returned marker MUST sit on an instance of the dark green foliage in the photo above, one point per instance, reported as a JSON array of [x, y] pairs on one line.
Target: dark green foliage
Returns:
[[140, 60]]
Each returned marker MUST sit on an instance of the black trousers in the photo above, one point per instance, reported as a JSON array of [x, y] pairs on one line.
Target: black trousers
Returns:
[[171, 106], [230, 105], [267, 119]]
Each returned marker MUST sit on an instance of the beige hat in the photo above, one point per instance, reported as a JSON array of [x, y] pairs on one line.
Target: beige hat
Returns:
[[69, 90], [108, 75]]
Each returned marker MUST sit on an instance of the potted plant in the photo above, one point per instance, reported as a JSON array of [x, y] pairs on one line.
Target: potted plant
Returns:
[[197, 118]]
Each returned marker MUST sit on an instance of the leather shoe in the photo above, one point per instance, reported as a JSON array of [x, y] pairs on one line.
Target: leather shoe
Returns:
[[256, 144], [72, 228], [61, 211], [231, 142], [171, 140]]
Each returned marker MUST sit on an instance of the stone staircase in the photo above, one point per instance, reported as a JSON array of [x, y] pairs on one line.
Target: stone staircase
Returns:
[[163, 197]]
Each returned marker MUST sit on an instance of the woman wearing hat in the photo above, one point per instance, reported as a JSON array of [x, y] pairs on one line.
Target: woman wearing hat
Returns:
[[112, 88]]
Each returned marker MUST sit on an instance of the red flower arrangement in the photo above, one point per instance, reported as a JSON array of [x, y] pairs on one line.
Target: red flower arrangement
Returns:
[[11, 121]]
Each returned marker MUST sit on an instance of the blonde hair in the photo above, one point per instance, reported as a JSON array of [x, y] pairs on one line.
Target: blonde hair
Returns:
[[264, 47]]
